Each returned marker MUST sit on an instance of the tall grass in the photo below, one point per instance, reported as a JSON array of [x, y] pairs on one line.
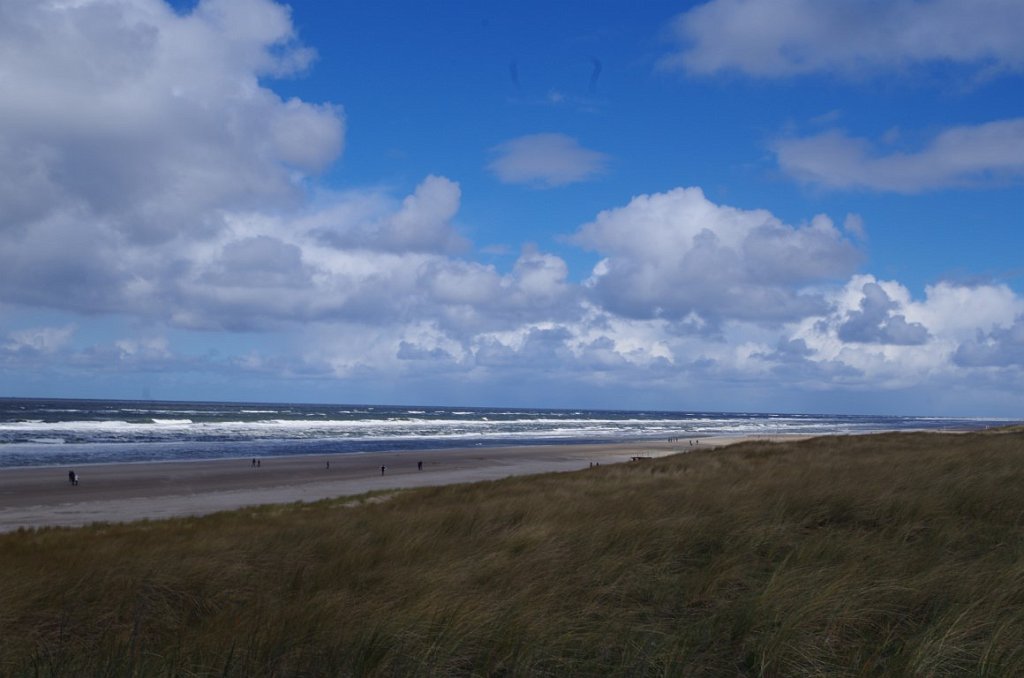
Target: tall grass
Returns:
[[888, 554]]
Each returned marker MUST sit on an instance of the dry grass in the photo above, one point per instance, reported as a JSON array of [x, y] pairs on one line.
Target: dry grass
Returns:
[[892, 554]]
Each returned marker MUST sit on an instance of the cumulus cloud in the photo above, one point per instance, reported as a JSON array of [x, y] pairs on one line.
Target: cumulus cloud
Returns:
[[422, 223], [1000, 347], [148, 348], [468, 297], [41, 340], [260, 262], [409, 351], [545, 348], [355, 257], [878, 337], [126, 125], [875, 322], [959, 312], [778, 38], [545, 161], [959, 156], [149, 171], [677, 254], [175, 194]]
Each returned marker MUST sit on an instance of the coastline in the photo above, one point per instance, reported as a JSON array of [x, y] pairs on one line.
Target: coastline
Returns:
[[122, 492]]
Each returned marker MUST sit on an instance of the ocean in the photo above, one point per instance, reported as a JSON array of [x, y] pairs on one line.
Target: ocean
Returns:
[[44, 432]]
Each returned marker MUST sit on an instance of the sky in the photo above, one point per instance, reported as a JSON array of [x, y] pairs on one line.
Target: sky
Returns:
[[727, 205]]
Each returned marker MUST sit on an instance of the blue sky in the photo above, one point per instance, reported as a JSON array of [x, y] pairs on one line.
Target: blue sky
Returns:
[[747, 205]]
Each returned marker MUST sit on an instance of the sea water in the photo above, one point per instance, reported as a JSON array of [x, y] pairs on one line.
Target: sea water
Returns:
[[43, 432]]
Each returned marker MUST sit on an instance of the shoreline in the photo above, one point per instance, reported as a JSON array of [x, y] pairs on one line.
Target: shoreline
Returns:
[[415, 451], [41, 496]]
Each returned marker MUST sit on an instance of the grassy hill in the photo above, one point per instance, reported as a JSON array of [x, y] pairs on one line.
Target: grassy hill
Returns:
[[886, 554]]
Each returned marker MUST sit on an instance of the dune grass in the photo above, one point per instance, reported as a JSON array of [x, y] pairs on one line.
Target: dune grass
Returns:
[[894, 554]]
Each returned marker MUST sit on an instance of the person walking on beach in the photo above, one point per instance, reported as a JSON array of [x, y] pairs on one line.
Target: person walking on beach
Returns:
[[71, 478], [419, 466], [254, 462], [382, 469]]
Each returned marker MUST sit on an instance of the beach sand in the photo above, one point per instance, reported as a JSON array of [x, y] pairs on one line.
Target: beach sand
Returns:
[[39, 497]]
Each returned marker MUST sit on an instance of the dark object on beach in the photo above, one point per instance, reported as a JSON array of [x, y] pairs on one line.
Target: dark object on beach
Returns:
[[258, 463], [382, 469], [328, 466], [419, 466], [254, 462], [72, 478]]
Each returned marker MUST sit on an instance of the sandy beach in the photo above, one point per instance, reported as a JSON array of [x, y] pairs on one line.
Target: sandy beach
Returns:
[[39, 497]]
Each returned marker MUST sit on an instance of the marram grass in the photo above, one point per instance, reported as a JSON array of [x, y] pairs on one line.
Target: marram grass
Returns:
[[894, 554]]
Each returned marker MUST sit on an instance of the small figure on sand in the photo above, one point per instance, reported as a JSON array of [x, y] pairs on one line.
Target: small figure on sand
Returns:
[[328, 466], [419, 466], [382, 469], [72, 477], [254, 462]]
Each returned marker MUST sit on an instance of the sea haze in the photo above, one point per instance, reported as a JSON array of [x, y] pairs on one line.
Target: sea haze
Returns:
[[38, 432]]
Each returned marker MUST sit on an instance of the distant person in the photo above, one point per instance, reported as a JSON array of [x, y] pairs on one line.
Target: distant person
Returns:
[[328, 466], [75, 480], [419, 466], [382, 469], [71, 477], [254, 462], [258, 463]]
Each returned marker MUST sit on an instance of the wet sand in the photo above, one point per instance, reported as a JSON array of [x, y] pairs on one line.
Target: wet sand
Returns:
[[39, 497]]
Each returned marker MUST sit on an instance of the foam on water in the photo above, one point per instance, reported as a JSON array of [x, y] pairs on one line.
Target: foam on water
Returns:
[[49, 432]]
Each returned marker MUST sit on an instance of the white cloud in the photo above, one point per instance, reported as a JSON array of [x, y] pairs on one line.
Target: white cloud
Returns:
[[355, 257], [778, 38], [1001, 347], [469, 298], [40, 339], [854, 225], [545, 161], [959, 156], [888, 340], [148, 348], [361, 220], [960, 311], [876, 321], [126, 126], [675, 254], [761, 365]]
